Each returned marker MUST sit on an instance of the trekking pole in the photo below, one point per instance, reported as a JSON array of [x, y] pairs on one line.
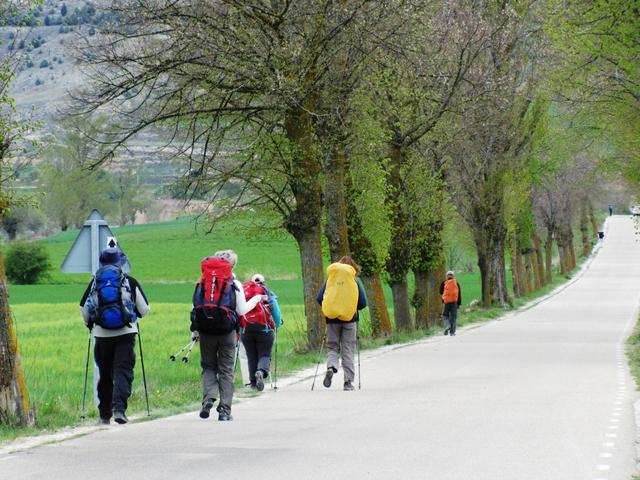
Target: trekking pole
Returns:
[[144, 376], [185, 358], [275, 367], [86, 376], [358, 347], [324, 337], [175, 355], [235, 362]]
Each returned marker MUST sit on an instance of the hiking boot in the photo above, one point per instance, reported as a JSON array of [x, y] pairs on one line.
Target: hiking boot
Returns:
[[260, 380], [120, 417], [348, 386], [327, 377], [446, 331], [453, 334], [224, 415], [104, 421], [206, 408]]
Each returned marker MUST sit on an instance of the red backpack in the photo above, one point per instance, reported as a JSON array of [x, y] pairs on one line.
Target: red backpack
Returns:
[[261, 314], [214, 299]]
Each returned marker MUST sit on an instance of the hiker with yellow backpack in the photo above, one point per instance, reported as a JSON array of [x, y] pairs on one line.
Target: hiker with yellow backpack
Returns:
[[452, 298], [341, 297]]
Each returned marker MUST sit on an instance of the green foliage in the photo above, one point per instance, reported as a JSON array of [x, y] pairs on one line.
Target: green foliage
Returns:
[[26, 263], [599, 45], [369, 189]]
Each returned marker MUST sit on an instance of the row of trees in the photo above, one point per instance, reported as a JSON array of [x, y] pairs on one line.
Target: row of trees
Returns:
[[367, 122], [364, 121]]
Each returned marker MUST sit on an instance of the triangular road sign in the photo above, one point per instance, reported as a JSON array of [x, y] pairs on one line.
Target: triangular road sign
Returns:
[[94, 237]]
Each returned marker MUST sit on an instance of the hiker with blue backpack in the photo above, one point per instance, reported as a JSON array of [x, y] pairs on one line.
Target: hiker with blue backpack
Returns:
[[341, 297], [218, 303], [111, 306], [258, 330]]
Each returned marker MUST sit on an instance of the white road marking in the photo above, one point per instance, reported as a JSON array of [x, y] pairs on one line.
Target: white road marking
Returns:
[[602, 468], [606, 455]]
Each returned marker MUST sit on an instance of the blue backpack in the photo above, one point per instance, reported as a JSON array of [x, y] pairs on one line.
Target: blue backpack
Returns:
[[110, 302]]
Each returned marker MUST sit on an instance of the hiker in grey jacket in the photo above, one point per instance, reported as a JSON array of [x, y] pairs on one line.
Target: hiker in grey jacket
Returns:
[[217, 351], [114, 351]]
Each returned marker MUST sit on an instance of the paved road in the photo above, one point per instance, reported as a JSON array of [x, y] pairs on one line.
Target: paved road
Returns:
[[544, 394]]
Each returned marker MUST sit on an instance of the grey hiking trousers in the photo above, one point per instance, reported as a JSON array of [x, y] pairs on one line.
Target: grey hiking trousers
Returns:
[[341, 339], [217, 356]]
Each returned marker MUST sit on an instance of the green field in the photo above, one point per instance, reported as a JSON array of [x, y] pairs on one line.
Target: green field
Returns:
[[165, 258]]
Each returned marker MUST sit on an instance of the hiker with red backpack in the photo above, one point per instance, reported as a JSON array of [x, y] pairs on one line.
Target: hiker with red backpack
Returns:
[[258, 330], [110, 307], [452, 299], [218, 302], [341, 297]]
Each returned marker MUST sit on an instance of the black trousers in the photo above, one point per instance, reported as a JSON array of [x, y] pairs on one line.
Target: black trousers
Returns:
[[115, 357], [450, 316], [258, 347]]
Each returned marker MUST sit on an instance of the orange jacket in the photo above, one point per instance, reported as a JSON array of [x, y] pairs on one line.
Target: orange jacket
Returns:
[[450, 290]]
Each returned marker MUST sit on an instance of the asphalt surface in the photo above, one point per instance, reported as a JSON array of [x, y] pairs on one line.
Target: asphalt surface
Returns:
[[542, 394]]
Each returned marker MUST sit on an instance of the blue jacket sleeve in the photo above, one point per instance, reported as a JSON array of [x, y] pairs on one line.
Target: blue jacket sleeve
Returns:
[[321, 293], [362, 297], [275, 309]]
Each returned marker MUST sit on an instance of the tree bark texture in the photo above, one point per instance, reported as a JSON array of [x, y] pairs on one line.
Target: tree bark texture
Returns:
[[420, 298], [380, 320], [399, 251], [491, 252], [548, 257], [538, 262], [363, 253], [14, 397], [584, 231], [304, 223], [435, 278], [401, 311], [335, 200], [594, 223], [528, 273], [515, 271]]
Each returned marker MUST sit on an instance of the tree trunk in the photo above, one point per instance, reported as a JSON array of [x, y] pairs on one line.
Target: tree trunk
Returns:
[[548, 257], [364, 254], [528, 272], [304, 222], [594, 223], [420, 298], [312, 275], [399, 251], [336, 204], [572, 255], [14, 397], [435, 277], [493, 275], [485, 278], [401, 312], [584, 230], [380, 320], [515, 274], [538, 262], [499, 273]]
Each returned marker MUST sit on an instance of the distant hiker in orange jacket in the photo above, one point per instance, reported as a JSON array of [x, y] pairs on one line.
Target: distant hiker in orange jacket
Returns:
[[452, 298]]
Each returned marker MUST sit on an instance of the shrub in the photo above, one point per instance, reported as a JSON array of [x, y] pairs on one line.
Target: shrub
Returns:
[[39, 82], [44, 64], [26, 263], [29, 63]]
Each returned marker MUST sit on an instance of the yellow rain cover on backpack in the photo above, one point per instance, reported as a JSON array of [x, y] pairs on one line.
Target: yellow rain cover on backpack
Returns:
[[340, 300]]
